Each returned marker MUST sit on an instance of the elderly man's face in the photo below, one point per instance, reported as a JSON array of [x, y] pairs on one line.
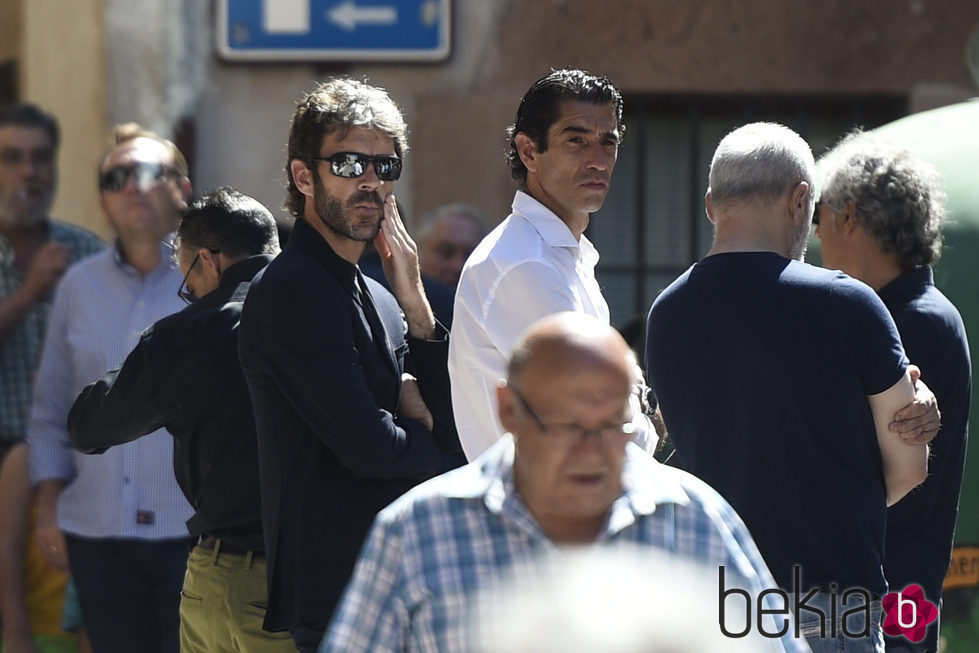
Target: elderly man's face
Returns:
[[568, 477], [444, 252], [28, 174]]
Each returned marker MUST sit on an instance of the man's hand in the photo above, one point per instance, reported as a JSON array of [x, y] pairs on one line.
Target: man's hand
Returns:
[[46, 269], [919, 421], [48, 534], [51, 539], [412, 404], [399, 257]]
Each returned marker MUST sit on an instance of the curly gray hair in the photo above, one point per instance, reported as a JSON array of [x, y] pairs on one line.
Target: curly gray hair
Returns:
[[898, 197]]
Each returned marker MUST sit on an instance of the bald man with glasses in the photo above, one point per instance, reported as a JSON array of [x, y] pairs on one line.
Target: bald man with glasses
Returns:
[[564, 475]]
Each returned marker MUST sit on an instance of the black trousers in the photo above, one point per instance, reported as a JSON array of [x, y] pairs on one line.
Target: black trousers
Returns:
[[129, 592]]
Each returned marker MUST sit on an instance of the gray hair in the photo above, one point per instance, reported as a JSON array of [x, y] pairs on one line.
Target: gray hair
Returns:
[[899, 198], [462, 210], [760, 160]]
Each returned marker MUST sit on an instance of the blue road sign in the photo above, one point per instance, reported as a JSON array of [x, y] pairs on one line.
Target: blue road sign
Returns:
[[333, 30]]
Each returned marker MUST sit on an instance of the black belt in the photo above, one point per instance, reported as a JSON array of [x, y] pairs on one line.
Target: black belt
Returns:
[[209, 542]]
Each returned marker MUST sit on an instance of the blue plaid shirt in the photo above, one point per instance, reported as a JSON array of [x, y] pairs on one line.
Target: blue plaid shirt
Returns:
[[20, 352], [434, 549]]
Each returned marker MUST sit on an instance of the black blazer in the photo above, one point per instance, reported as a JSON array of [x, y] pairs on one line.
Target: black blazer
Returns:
[[332, 449]]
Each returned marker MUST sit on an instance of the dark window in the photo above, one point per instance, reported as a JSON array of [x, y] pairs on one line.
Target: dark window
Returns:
[[653, 225], [8, 81]]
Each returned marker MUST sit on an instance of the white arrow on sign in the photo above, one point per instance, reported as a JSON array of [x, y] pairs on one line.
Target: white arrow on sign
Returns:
[[347, 15]]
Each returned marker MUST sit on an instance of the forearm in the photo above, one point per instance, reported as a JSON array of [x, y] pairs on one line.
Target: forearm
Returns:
[[104, 415], [905, 464], [418, 315], [13, 310], [13, 589], [47, 493]]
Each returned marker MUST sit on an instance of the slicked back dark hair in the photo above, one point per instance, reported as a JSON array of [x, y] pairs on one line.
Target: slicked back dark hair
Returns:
[[230, 222], [24, 114], [541, 107]]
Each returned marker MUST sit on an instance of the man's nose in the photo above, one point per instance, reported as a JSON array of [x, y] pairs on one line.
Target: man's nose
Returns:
[[369, 180]]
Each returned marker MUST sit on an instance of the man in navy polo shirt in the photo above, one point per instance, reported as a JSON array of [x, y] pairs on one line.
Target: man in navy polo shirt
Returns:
[[879, 220], [778, 382]]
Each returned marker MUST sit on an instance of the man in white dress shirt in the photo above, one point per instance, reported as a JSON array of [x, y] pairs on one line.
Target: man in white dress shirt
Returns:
[[563, 146]]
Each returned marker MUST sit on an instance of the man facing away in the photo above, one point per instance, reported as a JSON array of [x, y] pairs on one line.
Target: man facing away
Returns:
[[35, 251], [563, 146], [121, 515], [565, 476], [184, 375], [342, 431], [879, 220], [778, 380]]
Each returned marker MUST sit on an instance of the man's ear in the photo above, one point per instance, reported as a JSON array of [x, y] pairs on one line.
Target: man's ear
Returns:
[[505, 406], [302, 177], [186, 189], [799, 200], [208, 259], [848, 219], [709, 207], [527, 149]]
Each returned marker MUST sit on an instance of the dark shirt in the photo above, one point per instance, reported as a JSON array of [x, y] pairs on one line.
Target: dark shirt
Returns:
[[762, 367], [326, 391], [184, 375], [920, 526]]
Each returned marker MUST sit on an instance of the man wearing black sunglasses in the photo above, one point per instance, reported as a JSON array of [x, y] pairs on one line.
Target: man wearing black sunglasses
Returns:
[[342, 431], [184, 375], [121, 515]]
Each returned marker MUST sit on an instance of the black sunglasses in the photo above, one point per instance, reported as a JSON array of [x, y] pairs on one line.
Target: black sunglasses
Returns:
[[351, 165], [815, 212], [145, 175]]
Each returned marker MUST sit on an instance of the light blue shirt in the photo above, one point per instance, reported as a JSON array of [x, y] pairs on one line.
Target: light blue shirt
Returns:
[[101, 307], [433, 550]]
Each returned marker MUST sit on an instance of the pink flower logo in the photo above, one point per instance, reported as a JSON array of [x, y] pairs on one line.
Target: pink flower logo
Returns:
[[908, 613]]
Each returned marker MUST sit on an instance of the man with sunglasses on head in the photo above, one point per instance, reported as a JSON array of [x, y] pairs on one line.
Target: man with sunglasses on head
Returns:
[[342, 430], [35, 251], [120, 515], [184, 375]]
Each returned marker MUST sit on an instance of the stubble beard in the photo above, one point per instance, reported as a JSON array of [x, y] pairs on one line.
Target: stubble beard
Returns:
[[13, 219], [336, 216]]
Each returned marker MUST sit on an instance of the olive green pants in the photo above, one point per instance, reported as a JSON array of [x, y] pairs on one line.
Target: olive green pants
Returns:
[[223, 605]]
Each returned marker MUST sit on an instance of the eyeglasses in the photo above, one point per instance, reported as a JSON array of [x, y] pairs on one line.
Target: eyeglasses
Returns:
[[567, 434], [145, 174], [183, 292], [351, 165], [815, 212]]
